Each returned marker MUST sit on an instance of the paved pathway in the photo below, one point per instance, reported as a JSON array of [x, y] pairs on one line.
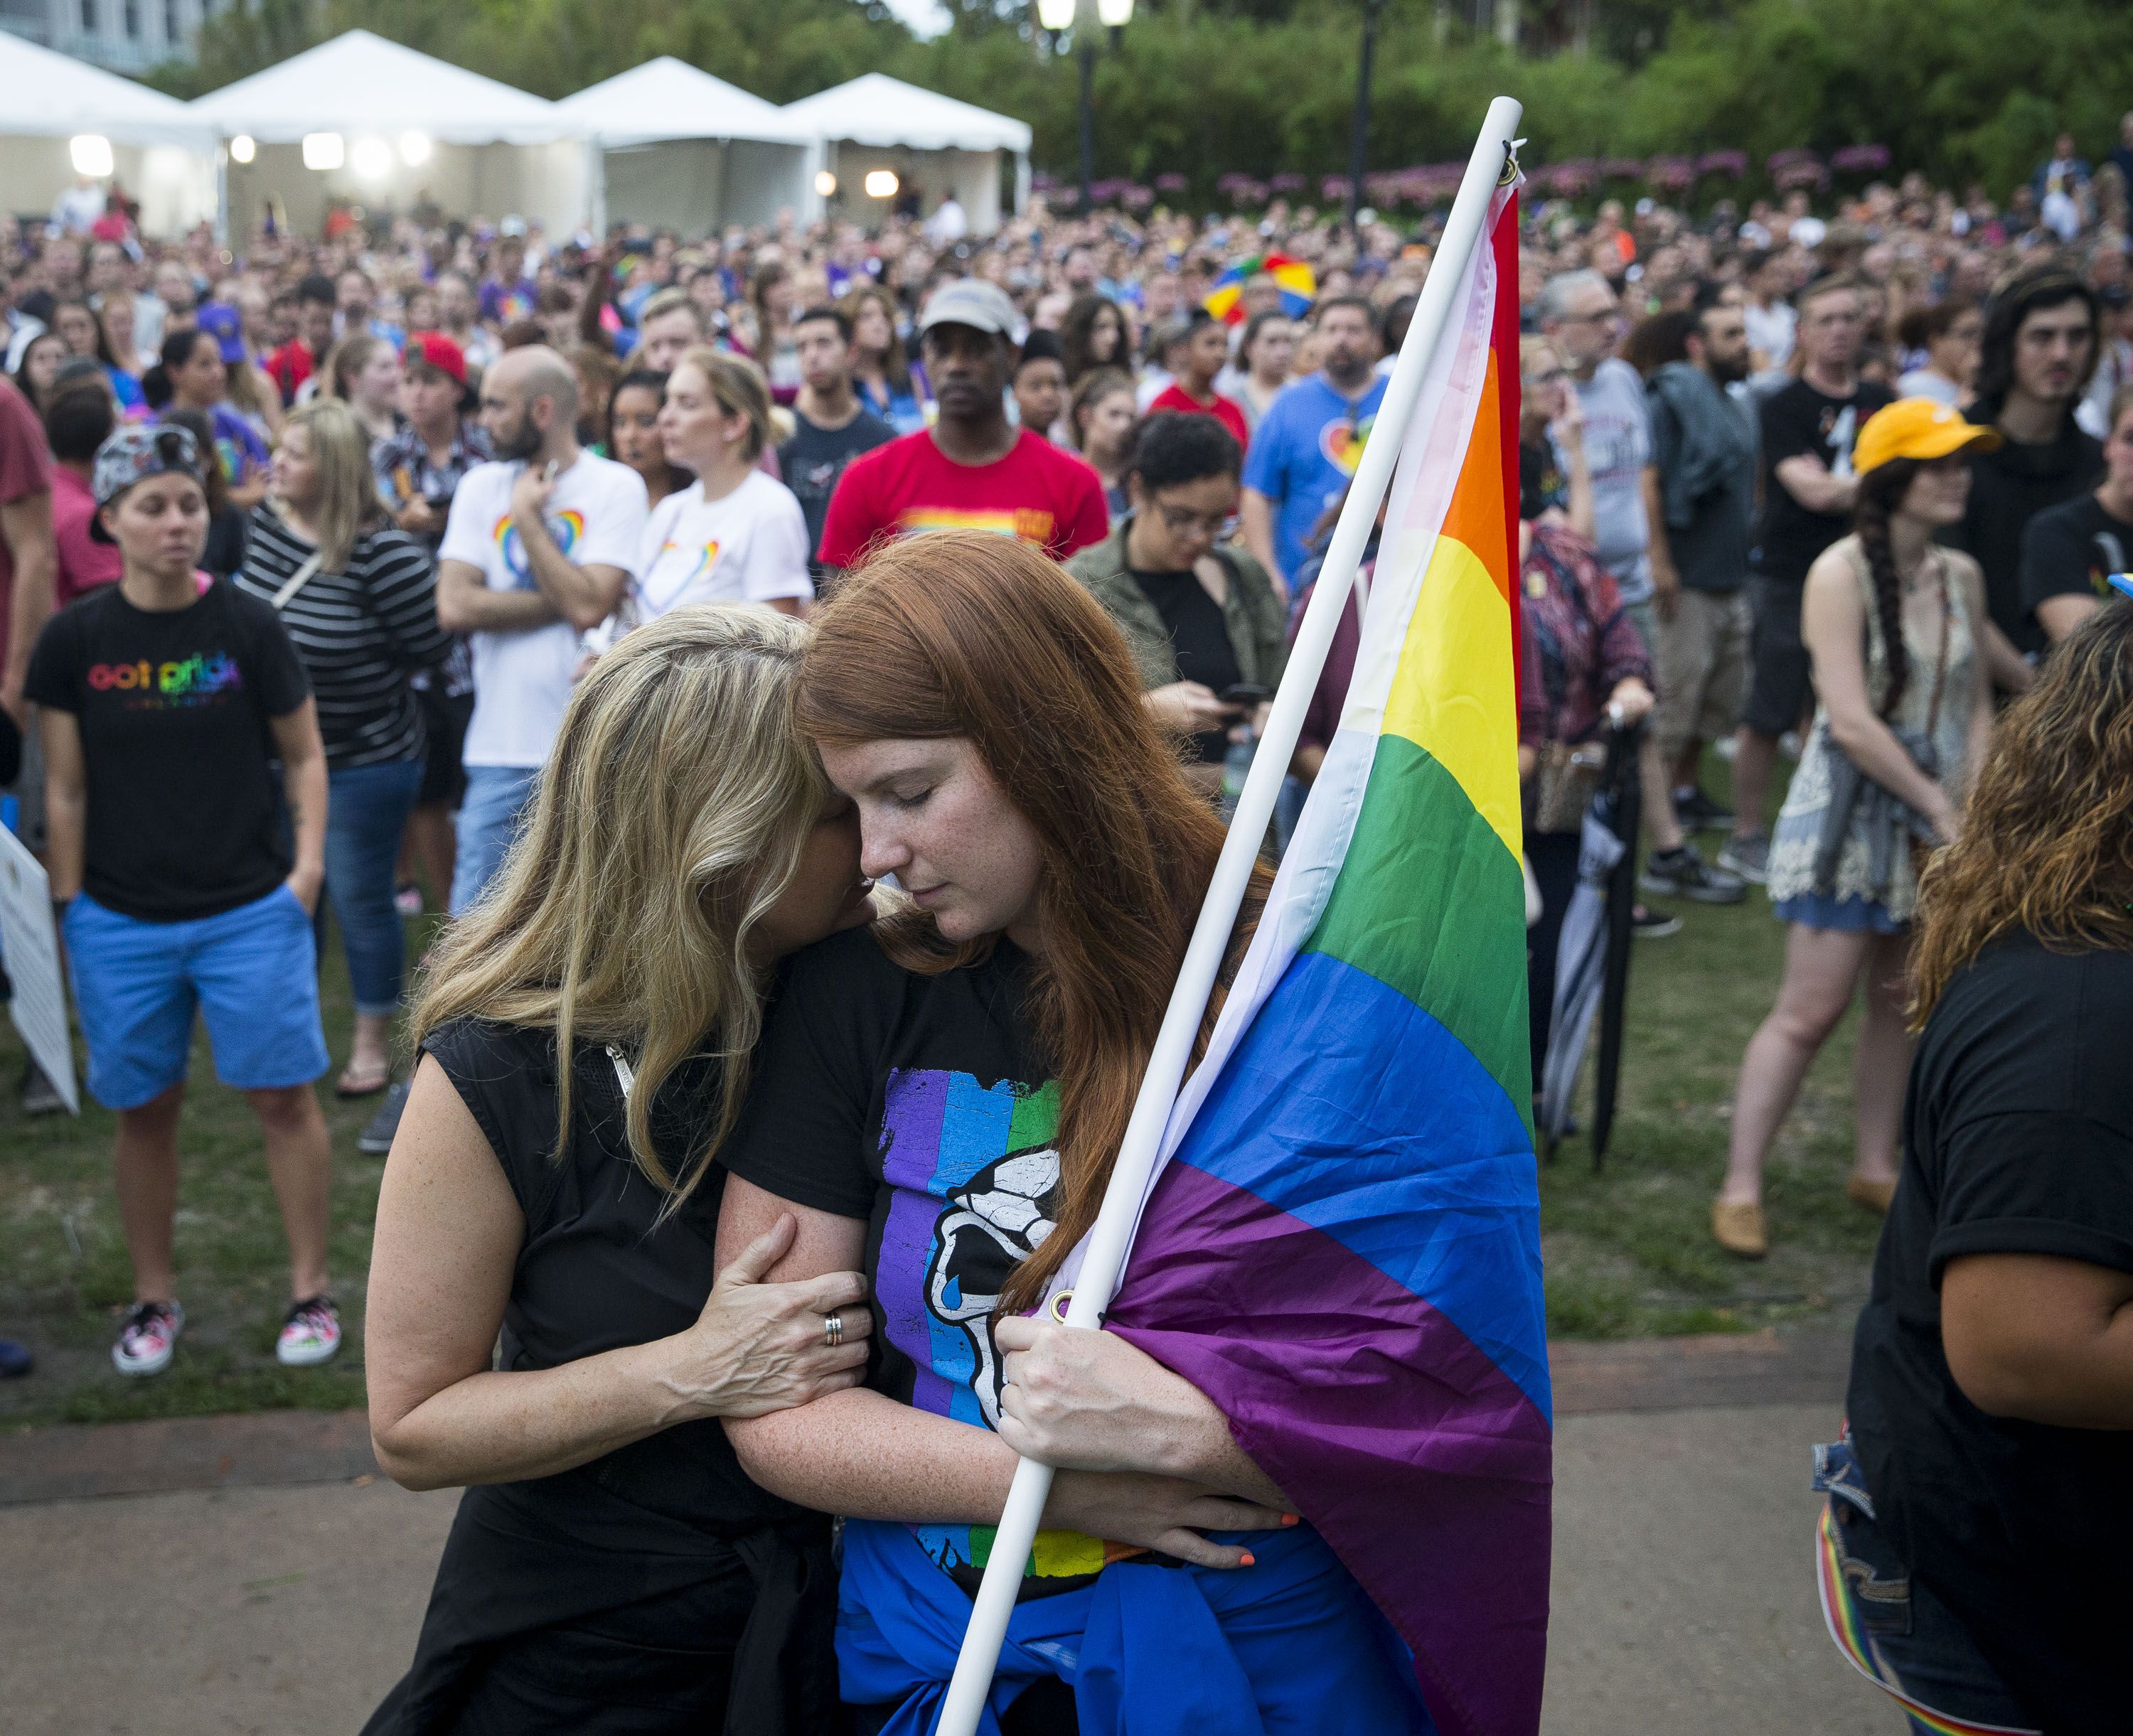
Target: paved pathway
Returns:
[[1684, 1599]]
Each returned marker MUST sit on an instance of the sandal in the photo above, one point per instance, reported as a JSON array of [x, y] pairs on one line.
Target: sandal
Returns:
[[352, 1084]]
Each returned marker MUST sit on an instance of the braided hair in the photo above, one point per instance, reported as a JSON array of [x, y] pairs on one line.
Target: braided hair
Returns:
[[1882, 492]]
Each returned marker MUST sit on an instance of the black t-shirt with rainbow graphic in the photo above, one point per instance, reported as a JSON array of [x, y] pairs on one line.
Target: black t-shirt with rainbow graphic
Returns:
[[915, 1102], [184, 807]]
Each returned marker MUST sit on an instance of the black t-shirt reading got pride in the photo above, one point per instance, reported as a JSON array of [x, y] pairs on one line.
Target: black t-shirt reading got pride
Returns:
[[2019, 1140], [174, 708], [1797, 420], [915, 1102]]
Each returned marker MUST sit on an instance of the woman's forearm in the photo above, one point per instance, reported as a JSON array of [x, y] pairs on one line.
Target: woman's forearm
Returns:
[[66, 825], [1872, 747], [1209, 1454], [862, 1455], [506, 1427]]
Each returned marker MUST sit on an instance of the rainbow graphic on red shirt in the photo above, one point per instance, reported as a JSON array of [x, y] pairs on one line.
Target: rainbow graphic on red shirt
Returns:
[[1028, 523], [565, 527]]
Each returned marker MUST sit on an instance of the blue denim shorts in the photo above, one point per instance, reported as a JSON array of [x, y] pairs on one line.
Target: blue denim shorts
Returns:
[[252, 971]]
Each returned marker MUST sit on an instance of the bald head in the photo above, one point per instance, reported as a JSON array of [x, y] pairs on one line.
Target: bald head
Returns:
[[529, 405]]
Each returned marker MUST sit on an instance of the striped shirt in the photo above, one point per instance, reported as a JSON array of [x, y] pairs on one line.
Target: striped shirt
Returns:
[[358, 634]]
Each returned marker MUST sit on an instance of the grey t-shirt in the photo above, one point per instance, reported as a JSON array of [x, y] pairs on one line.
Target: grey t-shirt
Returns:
[[1618, 446]]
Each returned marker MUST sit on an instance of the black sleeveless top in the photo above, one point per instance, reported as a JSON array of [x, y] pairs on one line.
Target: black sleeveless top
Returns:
[[655, 1588]]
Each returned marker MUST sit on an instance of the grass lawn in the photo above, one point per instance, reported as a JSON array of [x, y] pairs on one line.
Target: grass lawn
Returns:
[[1629, 1250]]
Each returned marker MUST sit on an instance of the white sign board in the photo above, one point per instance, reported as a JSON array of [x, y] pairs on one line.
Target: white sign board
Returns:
[[29, 947]]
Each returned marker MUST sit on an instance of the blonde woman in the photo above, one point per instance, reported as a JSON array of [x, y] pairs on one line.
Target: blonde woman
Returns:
[[734, 535], [585, 1034], [358, 598]]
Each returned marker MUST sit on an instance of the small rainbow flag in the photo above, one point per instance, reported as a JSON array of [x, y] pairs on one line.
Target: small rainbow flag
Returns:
[[1299, 286], [1343, 1246]]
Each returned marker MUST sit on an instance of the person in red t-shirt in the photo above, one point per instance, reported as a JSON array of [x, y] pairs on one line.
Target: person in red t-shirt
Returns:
[[972, 470], [25, 542], [80, 421], [1206, 353], [296, 361]]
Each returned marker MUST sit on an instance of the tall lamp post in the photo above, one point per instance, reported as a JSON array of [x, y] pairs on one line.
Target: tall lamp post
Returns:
[[1359, 144], [1080, 16]]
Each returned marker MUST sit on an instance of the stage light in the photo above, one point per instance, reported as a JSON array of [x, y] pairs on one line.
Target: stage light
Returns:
[[242, 149], [825, 184], [882, 184], [371, 158], [91, 152], [324, 150], [415, 149]]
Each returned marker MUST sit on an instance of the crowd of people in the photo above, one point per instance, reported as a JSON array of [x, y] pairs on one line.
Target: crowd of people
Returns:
[[354, 575]]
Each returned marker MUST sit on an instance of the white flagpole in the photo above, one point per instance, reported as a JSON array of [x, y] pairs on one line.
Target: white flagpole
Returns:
[[1105, 1259]]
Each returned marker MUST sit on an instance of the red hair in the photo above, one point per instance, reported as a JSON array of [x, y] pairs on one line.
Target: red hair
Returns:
[[968, 634]]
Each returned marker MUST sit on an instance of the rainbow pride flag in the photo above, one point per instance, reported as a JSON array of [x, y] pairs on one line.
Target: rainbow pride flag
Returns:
[[1341, 1247], [1299, 286]]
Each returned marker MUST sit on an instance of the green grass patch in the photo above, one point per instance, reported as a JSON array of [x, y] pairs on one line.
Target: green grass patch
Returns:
[[64, 1277]]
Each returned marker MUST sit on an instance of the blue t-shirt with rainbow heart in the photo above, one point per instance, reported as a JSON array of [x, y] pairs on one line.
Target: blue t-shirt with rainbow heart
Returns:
[[1303, 455]]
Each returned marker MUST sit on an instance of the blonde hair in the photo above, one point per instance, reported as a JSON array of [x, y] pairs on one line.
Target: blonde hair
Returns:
[[738, 386], [670, 818], [347, 503]]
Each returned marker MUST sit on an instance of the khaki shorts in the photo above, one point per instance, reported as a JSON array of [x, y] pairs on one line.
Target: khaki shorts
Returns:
[[1702, 659]]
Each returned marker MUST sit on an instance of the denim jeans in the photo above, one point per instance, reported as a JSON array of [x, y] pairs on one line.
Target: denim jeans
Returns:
[[367, 809], [1900, 1632], [489, 813]]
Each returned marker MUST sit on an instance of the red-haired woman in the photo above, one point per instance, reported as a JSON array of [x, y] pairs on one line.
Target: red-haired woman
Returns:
[[941, 1102]]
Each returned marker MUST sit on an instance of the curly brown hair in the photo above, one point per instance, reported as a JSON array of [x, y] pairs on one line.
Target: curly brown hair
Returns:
[[2047, 844]]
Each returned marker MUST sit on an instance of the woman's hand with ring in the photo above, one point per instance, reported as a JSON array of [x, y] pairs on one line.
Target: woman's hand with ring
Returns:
[[759, 1347]]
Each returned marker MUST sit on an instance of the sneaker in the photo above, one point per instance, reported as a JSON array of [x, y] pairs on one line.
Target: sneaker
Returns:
[[311, 1335], [375, 1138], [1680, 873], [40, 1095], [1651, 925], [1699, 813], [408, 900], [1748, 855], [148, 1337]]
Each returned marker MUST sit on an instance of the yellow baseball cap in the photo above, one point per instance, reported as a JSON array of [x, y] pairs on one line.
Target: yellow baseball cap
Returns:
[[1918, 428]]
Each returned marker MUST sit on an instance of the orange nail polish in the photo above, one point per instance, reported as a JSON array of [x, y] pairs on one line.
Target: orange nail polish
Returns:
[[1247, 1562], [1292, 1518]]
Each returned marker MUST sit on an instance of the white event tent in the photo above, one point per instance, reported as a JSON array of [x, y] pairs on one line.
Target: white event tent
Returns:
[[933, 144], [60, 115], [675, 147], [372, 122]]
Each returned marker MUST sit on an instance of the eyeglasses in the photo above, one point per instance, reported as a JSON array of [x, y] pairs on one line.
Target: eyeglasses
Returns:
[[1181, 522]]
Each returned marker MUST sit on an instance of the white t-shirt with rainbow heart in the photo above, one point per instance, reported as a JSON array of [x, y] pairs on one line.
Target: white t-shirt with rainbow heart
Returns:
[[749, 545], [522, 681]]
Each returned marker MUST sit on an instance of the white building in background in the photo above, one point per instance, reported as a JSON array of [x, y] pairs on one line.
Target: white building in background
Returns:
[[121, 36]]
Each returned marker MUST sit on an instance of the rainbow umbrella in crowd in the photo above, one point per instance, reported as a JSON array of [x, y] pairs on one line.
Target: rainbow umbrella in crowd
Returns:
[[1299, 286]]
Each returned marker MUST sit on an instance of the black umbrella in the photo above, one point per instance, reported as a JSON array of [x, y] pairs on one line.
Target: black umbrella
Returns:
[[1619, 805]]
